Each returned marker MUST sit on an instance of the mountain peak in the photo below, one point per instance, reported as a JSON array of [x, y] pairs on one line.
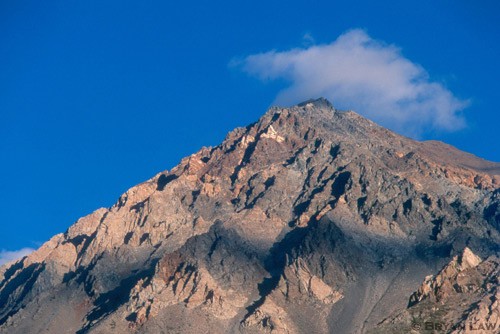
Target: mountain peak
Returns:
[[319, 103], [280, 228]]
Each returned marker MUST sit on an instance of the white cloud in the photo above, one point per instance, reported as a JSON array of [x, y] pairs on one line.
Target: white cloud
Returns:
[[369, 76], [7, 256]]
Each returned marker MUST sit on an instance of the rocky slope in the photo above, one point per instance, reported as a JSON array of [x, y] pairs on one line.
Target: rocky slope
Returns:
[[311, 220], [462, 298]]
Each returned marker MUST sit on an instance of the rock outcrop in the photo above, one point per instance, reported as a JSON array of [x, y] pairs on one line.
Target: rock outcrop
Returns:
[[311, 220], [461, 298]]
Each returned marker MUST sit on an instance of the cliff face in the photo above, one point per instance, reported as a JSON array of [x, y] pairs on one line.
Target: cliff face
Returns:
[[309, 220]]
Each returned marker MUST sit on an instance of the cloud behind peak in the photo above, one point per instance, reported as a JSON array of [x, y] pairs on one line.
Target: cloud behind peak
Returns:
[[366, 75]]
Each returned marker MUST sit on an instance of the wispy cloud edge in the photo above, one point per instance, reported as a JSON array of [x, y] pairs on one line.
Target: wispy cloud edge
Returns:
[[8, 256]]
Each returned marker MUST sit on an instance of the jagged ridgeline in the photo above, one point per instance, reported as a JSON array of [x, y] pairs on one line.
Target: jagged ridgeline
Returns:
[[311, 220]]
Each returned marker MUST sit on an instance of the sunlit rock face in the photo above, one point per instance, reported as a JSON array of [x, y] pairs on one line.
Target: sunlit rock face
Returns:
[[311, 220]]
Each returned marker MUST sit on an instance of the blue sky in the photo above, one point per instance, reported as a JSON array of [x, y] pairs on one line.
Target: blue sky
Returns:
[[97, 96]]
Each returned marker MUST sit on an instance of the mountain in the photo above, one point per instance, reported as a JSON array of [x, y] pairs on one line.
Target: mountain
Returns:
[[311, 220]]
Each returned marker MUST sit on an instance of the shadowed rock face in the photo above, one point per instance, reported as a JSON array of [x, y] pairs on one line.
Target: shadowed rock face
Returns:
[[311, 220]]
